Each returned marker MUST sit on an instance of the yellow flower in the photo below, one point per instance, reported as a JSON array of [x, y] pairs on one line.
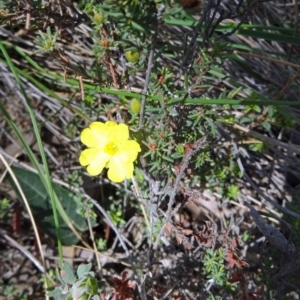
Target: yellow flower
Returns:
[[109, 147]]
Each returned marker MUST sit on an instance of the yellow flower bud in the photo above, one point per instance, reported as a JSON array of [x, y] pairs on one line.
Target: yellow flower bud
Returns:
[[135, 105], [98, 18], [132, 56]]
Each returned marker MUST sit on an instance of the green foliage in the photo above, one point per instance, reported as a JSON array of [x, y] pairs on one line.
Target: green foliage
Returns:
[[232, 191], [175, 117], [214, 266], [83, 207], [46, 41], [4, 209], [295, 206], [211, 297], [283, 119], [259, 147], [10, 292], [101, 244], [49, 279], [81, 286], [41, 208], [115, 212]]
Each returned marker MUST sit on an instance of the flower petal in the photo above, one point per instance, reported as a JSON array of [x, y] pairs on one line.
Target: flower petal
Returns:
[[102, 137], [87, 156], [110, 124], [95, 135], [99, 130], [110, 128], [129, 149], [94, 159], [119, 171], [118, 133]]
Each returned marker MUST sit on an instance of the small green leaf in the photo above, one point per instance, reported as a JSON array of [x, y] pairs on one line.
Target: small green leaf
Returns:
[[83, 269], [232, 191], [232, 94], [40, 205], [91, 286], [266, 125], [258, 147], [167, 158], [67, 273], [212, 126], [246, 120], [54, 292], [138, 27]]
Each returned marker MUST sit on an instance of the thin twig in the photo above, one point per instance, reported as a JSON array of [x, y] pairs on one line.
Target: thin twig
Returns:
[[139, 196], [147, 79], [191, 46], [111, 224], [150, 64], [272, 234], [93, 239], [287, 85], [27, 253], [197, 145], [266, 58], [290, 147], [241, 22]]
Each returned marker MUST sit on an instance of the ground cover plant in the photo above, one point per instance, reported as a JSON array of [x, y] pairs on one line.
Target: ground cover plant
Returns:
[[149, 149]]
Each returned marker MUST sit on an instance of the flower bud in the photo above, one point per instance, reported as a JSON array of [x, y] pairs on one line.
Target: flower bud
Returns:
[[98, 18], [135, 105], [132, 56]]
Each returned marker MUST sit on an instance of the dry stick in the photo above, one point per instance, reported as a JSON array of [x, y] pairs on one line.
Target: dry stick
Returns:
[[111, 224], [139, 196], [169, 292], [147, 80], [93, 240], [113, 75], [27, 24], [257, 189], [290, 147], [190, 47], [81, 88], [11, 173], [150, 65], [287, 86], [209, 20], [271, 233], [27, 253], [197, 145], [295, 27], [241, 22], [274, 60]]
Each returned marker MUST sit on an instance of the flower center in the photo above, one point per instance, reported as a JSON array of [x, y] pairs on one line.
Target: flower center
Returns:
[[111, 148]]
